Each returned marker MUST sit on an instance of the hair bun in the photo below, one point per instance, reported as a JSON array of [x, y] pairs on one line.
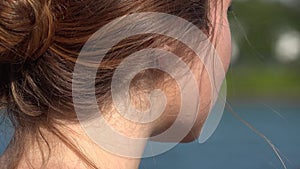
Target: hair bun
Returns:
[[26, 29]]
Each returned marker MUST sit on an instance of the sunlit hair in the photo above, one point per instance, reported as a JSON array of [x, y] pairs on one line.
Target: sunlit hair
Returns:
[[39, 43]]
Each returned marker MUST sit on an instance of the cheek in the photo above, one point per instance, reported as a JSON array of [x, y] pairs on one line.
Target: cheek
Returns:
[[221, 35], [223, 47], [204, 106]]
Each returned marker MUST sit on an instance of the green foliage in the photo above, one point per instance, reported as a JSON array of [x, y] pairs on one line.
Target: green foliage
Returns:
[[257, 72]]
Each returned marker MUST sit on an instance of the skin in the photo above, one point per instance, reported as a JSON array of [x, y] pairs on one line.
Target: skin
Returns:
[[62, 156], [222, 42]]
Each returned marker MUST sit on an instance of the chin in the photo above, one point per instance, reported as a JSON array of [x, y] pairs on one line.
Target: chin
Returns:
[[192, 136], [196, 129]]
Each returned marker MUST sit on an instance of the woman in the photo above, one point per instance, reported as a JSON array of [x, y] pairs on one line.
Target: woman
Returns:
[[40, 45]]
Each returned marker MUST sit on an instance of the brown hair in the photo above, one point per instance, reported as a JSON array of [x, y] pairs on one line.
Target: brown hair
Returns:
[[39, 43]]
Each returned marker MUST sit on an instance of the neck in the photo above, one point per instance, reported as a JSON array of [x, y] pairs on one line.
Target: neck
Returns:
[[62, 154]]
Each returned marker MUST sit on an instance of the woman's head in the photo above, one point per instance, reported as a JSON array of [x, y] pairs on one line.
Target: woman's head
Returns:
[[40, 41]]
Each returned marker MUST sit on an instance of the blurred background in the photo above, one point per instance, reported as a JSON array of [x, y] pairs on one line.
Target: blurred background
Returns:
[[263, 89], [266, 50]]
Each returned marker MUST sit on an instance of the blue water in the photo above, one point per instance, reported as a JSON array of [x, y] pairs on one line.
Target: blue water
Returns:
[[234, 146], [6, 132]]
